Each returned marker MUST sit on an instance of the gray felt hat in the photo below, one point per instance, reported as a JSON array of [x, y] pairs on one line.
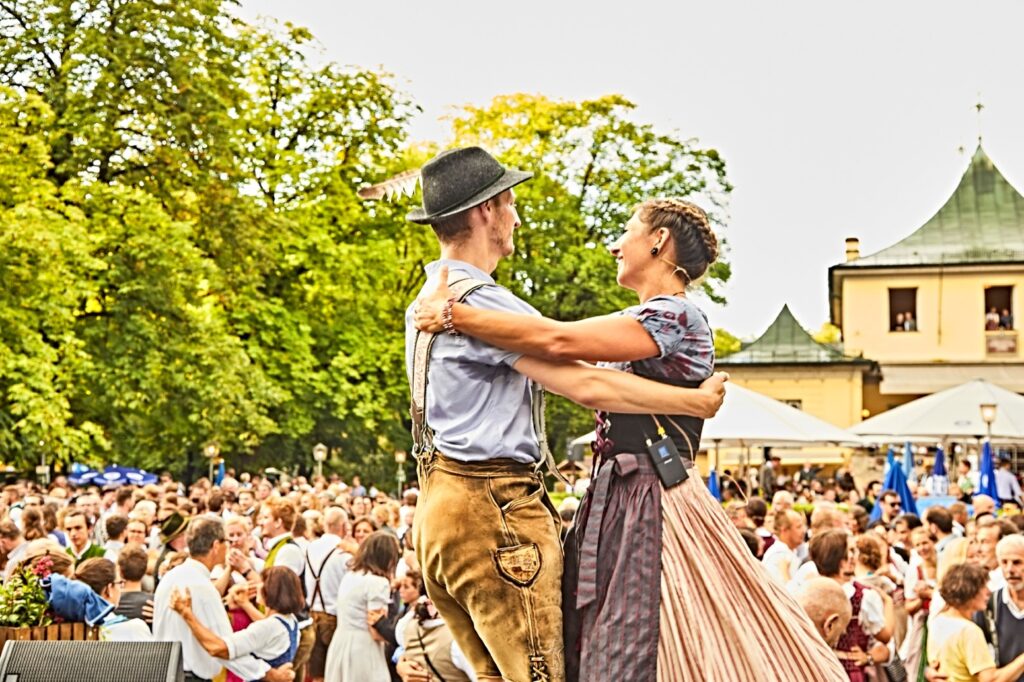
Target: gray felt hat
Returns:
[[459, 179]]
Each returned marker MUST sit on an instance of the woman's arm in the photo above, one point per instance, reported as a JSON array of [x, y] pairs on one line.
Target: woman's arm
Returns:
[[214, 645], [608, 389], [612, 338]]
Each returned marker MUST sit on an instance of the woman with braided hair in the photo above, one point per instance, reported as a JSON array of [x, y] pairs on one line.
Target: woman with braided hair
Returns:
[[670, 593]]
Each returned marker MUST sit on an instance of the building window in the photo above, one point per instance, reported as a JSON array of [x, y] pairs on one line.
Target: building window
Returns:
[[998, 308], [903, 310], [798, 404]]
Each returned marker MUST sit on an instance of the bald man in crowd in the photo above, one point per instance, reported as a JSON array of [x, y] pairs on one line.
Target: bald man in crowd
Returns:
[[827, 606]]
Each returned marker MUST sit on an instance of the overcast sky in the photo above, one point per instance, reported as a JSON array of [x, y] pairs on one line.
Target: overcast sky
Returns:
[[835, 119]]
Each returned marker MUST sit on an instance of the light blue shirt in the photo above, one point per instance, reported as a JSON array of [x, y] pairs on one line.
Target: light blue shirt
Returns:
[[1007, 486], [477, 405]]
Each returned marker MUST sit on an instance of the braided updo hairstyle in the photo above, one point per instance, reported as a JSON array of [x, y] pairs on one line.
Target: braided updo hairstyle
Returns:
[[688, 224]]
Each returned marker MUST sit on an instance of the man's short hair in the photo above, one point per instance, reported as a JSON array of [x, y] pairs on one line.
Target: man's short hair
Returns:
[[941, 517], [912, 521], [133, 560], [116, 525], [1005, 526], [202, 533], [886, 494], [124, 495], [282, 510], [71, 513], [958, 508], [828, 550], [1011, 544], [962, 583]]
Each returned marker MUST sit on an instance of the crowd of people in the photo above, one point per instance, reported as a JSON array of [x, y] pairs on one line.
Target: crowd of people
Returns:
[[257, 578], [938, 596]]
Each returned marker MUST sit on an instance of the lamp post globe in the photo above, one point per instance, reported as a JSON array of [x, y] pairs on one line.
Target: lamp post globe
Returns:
[[320, 455]]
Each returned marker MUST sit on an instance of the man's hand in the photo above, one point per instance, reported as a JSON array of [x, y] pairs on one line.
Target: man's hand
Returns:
[[714, 388], [933, 675], [147, 611], [411, 671], [282, 674], [430, 306]]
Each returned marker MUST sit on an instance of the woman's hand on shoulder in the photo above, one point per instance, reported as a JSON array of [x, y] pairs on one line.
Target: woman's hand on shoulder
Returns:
[[429, 311], [181, 601]]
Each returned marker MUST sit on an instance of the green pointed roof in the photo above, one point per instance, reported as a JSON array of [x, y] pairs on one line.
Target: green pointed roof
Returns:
[[786, 342], [982, 222]]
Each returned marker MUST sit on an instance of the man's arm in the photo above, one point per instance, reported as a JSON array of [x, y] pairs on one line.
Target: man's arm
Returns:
[[209, 611], [608, 389]]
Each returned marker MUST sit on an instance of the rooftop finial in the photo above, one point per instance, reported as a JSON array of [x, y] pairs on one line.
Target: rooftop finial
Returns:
[[978, 107]]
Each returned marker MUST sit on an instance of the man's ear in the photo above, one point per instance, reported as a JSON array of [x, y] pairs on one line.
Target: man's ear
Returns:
[[830, 625]]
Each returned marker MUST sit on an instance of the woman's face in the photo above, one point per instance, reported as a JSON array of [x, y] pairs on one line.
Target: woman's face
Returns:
[[113, 591], [980, 601], [408, 592], [362, 531], [924, 546], [236, 536], [632, 251]]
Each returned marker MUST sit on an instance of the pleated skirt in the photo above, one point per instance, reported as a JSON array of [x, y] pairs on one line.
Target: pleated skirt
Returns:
[[722, 617], [702, 609]]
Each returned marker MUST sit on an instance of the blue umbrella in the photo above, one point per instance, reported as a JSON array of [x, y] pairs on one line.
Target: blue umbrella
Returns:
[[908, 461], [940, 479], [896, 480], [115, 476], [83, 476], [713, 487], [987, 474]]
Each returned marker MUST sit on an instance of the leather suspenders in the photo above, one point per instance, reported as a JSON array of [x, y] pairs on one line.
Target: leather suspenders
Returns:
[[422, 434]]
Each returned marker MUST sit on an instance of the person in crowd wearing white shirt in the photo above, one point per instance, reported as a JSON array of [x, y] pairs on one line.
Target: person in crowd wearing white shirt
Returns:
[[13, 545], [780, 559], [117, 529], [207, 546], [918, 587], [276, 519], [940, 524], [274, 638], [327, 561], [827, 606], [834, 555], [990, 532], [1007, 485], [958, 510], [12, 500]]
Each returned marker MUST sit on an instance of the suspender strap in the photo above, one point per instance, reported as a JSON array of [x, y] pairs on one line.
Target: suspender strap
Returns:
[[422, 434], [426, 656], [316, 580]]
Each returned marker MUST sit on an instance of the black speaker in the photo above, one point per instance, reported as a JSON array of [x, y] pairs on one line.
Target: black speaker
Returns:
[[68, 661]]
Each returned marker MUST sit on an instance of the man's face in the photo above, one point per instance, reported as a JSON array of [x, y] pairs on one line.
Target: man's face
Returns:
[[245, 500], [503, 223], [1012, 564], [795, 533], [874, 490], [33, 502], [90, 504], [77, 530], [264, 490], [890, 506], [988, 538], [136, 533]]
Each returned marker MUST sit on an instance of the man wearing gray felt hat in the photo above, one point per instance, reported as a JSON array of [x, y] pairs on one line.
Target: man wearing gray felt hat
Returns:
[[486, 533]]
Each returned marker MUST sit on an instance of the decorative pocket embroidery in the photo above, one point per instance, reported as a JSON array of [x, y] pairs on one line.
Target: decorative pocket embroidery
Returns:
[[519, 564]]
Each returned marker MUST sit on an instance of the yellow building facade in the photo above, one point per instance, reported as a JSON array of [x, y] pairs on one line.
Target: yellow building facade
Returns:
[[938, 308]]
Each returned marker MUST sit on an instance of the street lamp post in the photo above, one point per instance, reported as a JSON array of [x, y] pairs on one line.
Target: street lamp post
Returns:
[[400, 476], [988, 415], [211, 451], [320, 454]]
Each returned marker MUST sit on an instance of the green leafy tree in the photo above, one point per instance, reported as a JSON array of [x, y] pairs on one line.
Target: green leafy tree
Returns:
[[725, 344]]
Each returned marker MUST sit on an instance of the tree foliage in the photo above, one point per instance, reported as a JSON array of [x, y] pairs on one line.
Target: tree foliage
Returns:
[[184, 259]]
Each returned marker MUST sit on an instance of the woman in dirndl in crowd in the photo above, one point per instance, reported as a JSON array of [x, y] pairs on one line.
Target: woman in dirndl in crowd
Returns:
[[671, 592]]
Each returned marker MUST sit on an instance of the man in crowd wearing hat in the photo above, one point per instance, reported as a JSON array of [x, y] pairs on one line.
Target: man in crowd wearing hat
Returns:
[[496, 583], [172, 536]]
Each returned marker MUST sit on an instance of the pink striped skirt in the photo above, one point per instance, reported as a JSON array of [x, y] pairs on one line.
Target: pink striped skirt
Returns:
[[723, 619]]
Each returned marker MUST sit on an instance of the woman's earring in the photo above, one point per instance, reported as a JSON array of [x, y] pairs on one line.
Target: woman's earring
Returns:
[[654, 251]]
